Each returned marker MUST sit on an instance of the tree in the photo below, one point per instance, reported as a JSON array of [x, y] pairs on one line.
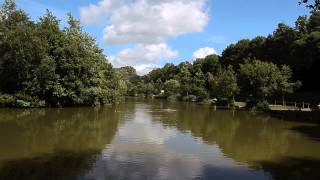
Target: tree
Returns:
[[184, 76], [235, 54], [297, 47], [149, 88], [39, 62], [21, 50], [260, 80], [285, 85], [210, 63], [198, 84], [314, 22], [314, 6], [301, 24], [127, 77], [171, 87], [224, 84]]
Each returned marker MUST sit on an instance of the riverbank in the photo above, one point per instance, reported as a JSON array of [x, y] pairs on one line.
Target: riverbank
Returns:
[[300, 116]]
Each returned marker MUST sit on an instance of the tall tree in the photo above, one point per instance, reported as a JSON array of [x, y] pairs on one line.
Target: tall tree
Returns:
[[224, 84], [260, 80], [40, 61], [171, 87], [313, 5]]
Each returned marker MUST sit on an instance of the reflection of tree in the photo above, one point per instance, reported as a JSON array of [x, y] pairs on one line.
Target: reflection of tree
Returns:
[[59, 166], [243, 136], [293, 168], [49, 142]]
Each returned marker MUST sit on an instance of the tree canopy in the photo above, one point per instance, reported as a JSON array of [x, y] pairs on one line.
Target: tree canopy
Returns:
[[298, 47], [280, 63], [44, 65], [260, 80], [314, 5]]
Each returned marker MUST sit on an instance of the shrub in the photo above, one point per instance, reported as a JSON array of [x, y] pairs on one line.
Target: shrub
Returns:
[[21, 101], [7, 100]]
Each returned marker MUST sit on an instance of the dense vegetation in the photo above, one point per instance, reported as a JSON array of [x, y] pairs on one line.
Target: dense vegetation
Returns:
[[44, 65], [297, 47], [253, 70]]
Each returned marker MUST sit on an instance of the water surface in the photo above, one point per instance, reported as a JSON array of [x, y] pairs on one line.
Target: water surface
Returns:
[[154, 140]]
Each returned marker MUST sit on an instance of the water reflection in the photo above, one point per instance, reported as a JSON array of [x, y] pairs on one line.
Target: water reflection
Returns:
[[154, 140], [145, 149], [283, 149], [53, 143]]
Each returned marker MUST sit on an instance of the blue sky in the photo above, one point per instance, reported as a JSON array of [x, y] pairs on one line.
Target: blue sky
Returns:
[[148, 33]]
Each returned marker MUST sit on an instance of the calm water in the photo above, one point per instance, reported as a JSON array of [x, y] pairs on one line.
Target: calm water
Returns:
[[154, 140]]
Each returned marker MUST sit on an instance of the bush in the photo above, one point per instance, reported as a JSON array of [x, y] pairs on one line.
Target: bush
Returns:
[[172, 98], [263, 105], [7, 100], [21, 101], [22, 104], [258, 106]]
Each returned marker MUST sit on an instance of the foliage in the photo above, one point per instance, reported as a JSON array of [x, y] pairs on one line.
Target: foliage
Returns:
[[224, 85], [171, 87], [260, 80], [44, 65], [297, 47], [127, 77], [315, 6], [20, 100], [61, 67]]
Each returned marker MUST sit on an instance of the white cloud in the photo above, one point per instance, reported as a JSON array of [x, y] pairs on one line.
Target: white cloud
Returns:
[[146, 21], [147, 24], [143, 57], [145, 68], [203, 52], [94, 14]]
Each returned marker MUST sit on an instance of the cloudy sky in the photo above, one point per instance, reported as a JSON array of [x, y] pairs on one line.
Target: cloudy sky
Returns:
[[149, 33]]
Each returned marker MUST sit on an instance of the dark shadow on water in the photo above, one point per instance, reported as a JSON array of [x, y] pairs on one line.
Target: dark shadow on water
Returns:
[[290, 168], [311, 122], [297, 116], [61, 166], [313, 132], [212, 172]]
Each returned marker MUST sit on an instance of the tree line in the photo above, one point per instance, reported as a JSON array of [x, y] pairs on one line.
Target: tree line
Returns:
[[42, 64], [252, 70]]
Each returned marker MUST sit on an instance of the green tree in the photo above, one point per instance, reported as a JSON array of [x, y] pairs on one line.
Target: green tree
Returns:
[[314, 6], [260, 80], [224, 84], [184, 77], [235, 54], [285, 85], [301, 24], [198, 84], [171, 87], [39, 62], [127, 77]]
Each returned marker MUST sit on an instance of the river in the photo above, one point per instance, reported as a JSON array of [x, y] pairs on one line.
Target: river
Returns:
[[154, 139]]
